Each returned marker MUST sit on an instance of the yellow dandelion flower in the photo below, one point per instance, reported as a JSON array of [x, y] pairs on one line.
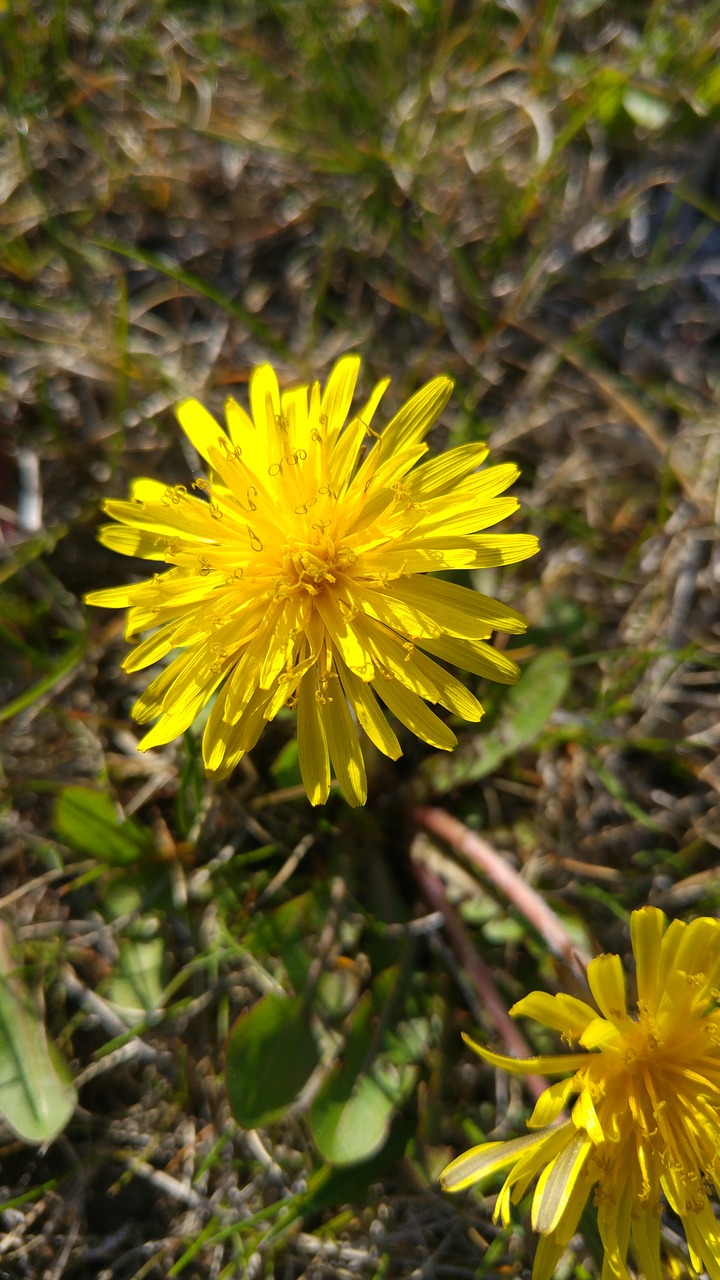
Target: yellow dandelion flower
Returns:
[[645, 1122], [300, 577]]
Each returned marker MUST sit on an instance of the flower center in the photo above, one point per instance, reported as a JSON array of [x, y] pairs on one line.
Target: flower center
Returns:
[[641, 1044], [310, 566]]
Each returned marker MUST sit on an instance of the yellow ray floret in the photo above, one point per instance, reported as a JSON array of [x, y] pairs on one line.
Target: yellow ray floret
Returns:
[[297, 575], [645, 1123]]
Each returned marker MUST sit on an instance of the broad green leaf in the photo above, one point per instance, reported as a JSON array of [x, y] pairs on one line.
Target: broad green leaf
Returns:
[[271, 1053], [88, 821], [526, 709], [351, 1114], [136, 986], [36, 1096]]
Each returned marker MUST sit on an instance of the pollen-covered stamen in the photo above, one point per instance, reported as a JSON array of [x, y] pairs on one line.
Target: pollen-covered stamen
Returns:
[[311, 566]]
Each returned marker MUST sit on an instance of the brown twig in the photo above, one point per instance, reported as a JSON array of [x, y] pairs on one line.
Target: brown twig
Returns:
[[518, 891]]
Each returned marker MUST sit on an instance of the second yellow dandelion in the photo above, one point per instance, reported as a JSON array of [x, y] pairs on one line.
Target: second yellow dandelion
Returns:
[[645, 1123]]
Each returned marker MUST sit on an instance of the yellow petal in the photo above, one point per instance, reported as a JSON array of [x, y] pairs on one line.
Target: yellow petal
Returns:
[[245, 437], [200, 427], [344, 457], [551, 1102], [614, 1219], [147, 546], [392, 655], [413, 421], [294, 409], [412, 711], [584, 1116], [265, 399], [601, 1033], [484, 1160], [544, 1064], [244, 679], [278, 642], [369, 409], [346, 636], [312, 743], [558, 1185], [646, 930], [703, 1237], [563, 1013], [182, 705], [487, 483], [463, 612], [387, 607], [645, 1234], [342, 740], [607, 982], [448, 691], [251, 724], [457, 516], [217, 733], [473, 655], [699, 946], [364, 704], [156, 646], [443, 471], [150, 703], [386, 563], [489, 549], [186, 515], [389, 471], [552, 1141], [338, 393], [177, 587], [547, 1255], [110, 597], [143, 489], [483, 551]]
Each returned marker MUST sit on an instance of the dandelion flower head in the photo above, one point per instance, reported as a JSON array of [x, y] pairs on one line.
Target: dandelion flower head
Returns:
[[300, 577], [645, 1123]]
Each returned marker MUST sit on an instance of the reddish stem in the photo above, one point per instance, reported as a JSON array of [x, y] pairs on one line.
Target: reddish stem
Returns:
[[527, 900], [480, 975]]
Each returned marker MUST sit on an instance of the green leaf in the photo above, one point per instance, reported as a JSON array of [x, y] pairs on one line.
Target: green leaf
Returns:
[[526, 710], [351, 1114], [270, 1055], [285, 932], [36, 1097], [136, 986], [88, 821], [286, 767]]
